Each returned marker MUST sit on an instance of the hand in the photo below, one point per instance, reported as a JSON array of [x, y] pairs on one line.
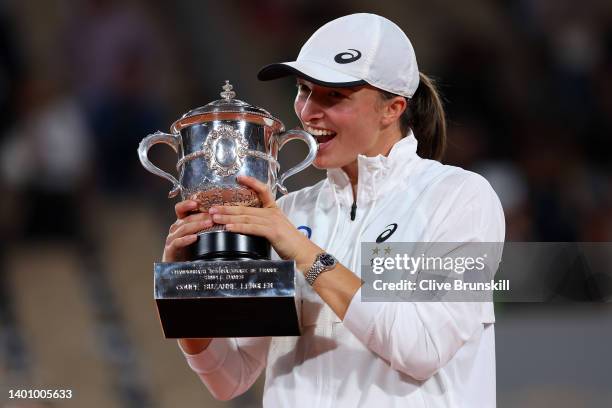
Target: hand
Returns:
[[194, 346], [268, 222], [183, 232]]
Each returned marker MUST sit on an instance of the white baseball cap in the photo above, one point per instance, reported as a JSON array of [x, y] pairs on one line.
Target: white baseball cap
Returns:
[[353, 50]]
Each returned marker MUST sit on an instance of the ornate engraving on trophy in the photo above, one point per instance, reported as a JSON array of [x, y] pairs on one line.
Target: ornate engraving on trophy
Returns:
[[225, 149]]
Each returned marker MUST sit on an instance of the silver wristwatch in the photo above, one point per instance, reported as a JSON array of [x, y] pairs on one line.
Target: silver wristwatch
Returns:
[[323, 263]]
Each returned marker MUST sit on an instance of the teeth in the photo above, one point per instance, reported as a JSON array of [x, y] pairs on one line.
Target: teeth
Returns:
[[319, 132]]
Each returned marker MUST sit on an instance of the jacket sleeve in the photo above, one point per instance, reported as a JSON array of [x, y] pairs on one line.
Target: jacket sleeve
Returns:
[[419, 338], [228, 367]]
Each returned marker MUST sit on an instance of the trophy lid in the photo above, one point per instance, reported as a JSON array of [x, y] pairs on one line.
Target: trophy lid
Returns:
[[228, 108]]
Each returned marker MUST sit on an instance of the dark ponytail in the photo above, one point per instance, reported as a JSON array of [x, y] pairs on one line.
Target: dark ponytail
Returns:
[[425, 116]]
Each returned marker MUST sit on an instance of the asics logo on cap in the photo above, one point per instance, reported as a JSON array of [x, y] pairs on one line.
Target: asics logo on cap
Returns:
[[347, 57]]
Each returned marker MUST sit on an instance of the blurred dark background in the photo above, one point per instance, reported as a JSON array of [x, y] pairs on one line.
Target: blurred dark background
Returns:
[[528, 90]]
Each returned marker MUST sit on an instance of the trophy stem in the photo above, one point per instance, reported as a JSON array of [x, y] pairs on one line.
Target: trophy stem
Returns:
[[229, 246]]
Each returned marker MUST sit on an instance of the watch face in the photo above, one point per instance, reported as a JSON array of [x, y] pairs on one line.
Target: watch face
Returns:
[[327, 260]]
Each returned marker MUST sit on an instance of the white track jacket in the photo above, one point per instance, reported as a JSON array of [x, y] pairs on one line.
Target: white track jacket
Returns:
[[395, 354]]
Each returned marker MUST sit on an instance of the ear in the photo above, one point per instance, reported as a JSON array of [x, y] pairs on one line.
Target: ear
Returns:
[[393, 109]]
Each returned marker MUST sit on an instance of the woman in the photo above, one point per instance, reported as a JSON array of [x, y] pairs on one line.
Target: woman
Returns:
[[380, 128]]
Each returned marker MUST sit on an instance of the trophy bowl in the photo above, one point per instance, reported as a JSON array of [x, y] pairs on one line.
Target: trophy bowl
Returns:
[[216, 143]]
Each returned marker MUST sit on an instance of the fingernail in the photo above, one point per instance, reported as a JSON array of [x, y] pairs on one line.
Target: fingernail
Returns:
[[213, 210]]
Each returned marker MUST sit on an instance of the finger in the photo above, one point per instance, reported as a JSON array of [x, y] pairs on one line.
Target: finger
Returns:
[[249, 229], [260, 188], [174, 226], [239, 219], [182, 242], [183, 208], [188, 219], [199, 216], [239, 210], [189, 228]]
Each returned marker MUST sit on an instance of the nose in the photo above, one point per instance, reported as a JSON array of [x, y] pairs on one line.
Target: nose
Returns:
[[308, 108]]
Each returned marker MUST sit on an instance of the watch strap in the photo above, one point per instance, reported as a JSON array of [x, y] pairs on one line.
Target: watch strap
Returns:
[[319, 267]]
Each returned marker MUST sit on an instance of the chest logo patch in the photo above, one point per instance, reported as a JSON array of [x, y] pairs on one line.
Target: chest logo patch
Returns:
[[305, 230], [389, 230]]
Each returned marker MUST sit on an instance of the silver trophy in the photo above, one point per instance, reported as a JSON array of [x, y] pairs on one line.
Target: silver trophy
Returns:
[[229, 274]]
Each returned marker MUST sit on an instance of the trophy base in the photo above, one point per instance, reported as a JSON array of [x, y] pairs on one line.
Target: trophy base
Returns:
[[228, 246], [240, 298]]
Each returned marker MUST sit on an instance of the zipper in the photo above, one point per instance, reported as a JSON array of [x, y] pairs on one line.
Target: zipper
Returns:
[[353, 210]]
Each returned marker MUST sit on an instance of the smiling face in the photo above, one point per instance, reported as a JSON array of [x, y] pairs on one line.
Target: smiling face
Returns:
[[347, 122]]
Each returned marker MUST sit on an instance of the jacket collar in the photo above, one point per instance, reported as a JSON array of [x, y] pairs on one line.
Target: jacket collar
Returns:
[[378, 174]]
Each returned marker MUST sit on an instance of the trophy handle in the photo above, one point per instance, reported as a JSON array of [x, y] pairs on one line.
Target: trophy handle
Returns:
[[171, 140], [312, 153]]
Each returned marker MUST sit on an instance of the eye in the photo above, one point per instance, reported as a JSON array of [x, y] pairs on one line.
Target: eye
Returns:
[[302, 88], [335, 94]]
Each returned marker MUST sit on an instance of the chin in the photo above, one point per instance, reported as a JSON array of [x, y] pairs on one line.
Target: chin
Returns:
[[317, 165], [323, 164], [329, 161]]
